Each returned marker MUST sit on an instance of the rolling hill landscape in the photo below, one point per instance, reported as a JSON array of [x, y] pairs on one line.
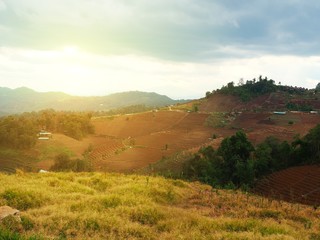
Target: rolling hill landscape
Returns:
[[121, 195], [151, 120]]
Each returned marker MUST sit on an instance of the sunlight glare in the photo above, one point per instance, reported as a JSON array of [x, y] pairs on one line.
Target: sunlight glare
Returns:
[[70, 50]]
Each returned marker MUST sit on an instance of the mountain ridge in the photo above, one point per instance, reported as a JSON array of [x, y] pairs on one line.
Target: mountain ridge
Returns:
[[24, 99]]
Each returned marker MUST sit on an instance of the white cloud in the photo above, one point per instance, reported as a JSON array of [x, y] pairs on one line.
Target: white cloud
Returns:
[[82, 73], [208, 44], [3, 6]]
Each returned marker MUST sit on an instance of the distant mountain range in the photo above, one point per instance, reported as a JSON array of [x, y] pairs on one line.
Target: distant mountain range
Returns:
[[26, 100]]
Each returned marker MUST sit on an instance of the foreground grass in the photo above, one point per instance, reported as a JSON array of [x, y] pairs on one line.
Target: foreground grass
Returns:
[[116, 206]]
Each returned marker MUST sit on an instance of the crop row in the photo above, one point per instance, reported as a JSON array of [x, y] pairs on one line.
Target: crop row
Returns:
[[297, 184], [105, 151]]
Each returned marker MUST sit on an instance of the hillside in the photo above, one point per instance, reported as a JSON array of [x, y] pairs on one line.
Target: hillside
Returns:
[[296, 184], [275, 101], [126, 143], [26, 100], [116, 206], [261, 95]]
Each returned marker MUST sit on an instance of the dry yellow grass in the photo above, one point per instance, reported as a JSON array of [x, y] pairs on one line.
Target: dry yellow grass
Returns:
[[117, 206]]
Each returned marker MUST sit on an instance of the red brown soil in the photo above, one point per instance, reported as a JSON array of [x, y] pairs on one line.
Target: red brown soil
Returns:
[[219, 103], [148, 137], [260, 125], [226, 103], [296, 184], [129, 142]]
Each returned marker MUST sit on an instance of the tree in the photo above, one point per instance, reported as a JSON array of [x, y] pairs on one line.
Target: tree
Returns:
[[234, 150], [62, 162], [230, 85], [310, 146], [318, 87], [263, 159], [195, 108], [241, 82], [237, 144]]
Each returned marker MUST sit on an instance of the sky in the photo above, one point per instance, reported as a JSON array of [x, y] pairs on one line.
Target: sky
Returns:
[[179, 48]]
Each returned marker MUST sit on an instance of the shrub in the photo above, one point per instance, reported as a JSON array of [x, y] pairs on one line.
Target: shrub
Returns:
[[63, 163], [22, 200]]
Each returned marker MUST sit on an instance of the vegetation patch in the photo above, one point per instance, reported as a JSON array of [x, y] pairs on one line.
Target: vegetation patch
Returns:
[[266, 213], [239, 226], [111, 201], [272, 230], [147, 215], [21, 199], [217, 120]]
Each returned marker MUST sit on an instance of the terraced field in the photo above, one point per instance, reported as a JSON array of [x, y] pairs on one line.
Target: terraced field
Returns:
[[149, 137], [260, 125]]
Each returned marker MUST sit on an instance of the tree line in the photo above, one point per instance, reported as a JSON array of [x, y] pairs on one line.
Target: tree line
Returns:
[[250, 89], [20, 131], [238, 163]]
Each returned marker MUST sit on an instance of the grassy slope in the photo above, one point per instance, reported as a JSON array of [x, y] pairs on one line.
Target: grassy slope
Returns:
[[116, 206]]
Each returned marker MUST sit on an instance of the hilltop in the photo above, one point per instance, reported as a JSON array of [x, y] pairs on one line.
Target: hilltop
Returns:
[[261, 95], [27, 100], [116, 206]]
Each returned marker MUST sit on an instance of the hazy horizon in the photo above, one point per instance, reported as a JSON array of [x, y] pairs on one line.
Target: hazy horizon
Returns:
[[74, 95], [180, 49]]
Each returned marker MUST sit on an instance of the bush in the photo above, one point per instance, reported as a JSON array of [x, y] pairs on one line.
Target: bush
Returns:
[[22, 200], [63, 163]]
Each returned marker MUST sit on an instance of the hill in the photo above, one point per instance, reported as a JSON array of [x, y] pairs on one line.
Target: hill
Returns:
[[275, 101], [116, 206], [261, 95], [27, 100]]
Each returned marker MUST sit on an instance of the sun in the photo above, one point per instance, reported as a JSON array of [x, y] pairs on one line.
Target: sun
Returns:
[[70, 50]]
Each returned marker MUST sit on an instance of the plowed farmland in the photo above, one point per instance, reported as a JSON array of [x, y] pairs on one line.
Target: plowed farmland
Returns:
[[148, 137], [296, 184], [260, 125], [126, 143]]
